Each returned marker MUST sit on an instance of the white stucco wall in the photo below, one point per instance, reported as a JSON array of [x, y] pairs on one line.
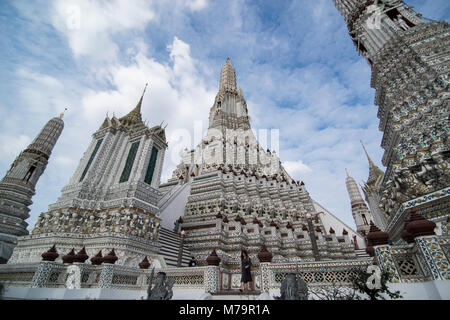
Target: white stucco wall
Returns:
[[331, 221], [175, 207]]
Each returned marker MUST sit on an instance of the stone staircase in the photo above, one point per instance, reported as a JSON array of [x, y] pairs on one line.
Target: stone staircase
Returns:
[[361, 254], [170, 242]]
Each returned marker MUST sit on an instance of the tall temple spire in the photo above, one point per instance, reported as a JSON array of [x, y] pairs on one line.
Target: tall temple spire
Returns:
[[409, 61], [371, 191], [134, 116], [18, 186], [360, 212], [372, 24]]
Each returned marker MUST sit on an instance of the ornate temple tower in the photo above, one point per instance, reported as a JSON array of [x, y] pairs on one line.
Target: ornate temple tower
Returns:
[[372, 193], [360, 212], [229, 193], [18, 186], [111, 199], [410, 65]]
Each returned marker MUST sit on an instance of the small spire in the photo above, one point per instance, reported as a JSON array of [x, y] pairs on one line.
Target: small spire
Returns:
[[142, 97], [347, 172], [61, 115], [228, 60], [368, 158], [135, 115]]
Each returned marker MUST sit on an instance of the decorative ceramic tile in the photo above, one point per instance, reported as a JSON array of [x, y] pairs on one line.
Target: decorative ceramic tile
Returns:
[[434, 257], [106, 276], [386, 262], [212, 279], [42, 274]]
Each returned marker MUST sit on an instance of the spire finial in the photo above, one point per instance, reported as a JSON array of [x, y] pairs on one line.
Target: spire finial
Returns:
[[347, 172], [368, 158], [61, 115], [145, 88], [228, 60]]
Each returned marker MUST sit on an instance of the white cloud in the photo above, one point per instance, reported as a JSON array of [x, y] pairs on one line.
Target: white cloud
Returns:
[[90, 25], [42, 93], [196, 5], [296, 168], [11, 146], [65, 162]]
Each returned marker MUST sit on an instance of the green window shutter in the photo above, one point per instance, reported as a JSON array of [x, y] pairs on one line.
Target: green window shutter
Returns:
[[129, 164], [97, 146], [151, 166]]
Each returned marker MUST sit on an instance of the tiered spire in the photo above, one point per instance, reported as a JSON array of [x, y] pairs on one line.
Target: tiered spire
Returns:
[[229, 109], [360, 212], [353, 191], [227, 77]]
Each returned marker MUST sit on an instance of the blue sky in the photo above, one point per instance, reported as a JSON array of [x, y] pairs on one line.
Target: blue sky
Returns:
[[298, 69]]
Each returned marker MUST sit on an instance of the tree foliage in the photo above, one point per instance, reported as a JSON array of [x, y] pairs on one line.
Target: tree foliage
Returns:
[[360, 279], [334, 292]]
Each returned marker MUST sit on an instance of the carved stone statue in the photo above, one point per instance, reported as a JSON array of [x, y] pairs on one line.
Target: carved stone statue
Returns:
[[293, 288], [162, 289]]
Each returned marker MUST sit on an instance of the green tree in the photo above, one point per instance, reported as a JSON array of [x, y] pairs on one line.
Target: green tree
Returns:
[[360, 279]]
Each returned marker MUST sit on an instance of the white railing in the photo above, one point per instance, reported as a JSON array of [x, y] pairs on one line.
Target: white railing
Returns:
[[122, 277]]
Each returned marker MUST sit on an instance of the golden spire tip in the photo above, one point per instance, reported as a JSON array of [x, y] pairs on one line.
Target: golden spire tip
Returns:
[[367, 155], [61, 115]]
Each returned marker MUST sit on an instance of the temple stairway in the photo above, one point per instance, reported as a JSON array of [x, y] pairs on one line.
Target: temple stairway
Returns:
[[170, 243], [361, 254]]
